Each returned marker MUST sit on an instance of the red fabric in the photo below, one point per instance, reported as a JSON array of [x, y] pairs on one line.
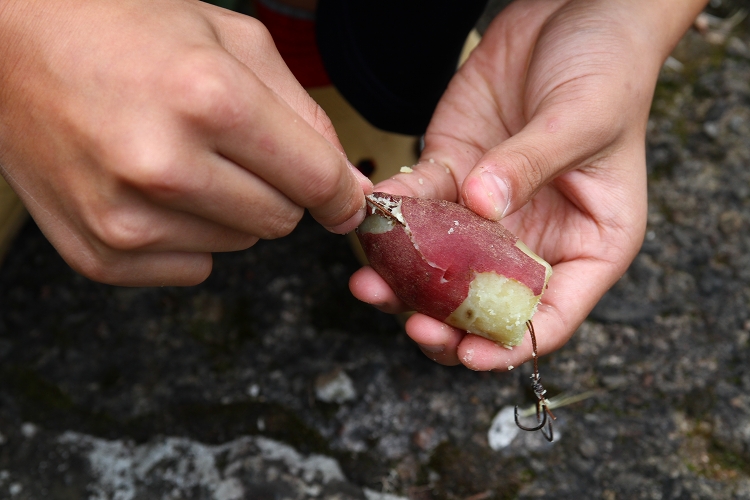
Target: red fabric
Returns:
[[295, 40]]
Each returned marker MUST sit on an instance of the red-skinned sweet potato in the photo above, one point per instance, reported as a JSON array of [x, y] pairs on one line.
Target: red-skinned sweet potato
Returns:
[[445, 261]]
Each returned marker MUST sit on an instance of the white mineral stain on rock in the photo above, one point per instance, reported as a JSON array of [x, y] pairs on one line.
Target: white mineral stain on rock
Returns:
[[308, 467], [230, 489], [123, 470], [503, 429], [376, 495]]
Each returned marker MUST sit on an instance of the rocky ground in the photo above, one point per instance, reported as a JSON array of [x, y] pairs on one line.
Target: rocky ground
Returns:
[[269, 381]]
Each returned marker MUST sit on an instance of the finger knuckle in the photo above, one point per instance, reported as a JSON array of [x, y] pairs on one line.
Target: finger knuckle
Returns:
[[262, 38], [202, 88], [157, 169], [532, 166], [242, 242], [96, 266], [280, 224], [120, 229], [320, 120], [323, 187], [89, 266]]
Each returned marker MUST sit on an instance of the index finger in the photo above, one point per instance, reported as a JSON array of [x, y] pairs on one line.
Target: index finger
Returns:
[[285, 137], [266, 137]]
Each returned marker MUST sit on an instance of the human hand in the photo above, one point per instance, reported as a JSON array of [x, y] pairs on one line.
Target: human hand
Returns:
[[144, 135], [544, 128]]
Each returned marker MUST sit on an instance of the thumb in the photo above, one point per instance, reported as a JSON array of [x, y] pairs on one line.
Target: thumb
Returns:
[[511, 173]]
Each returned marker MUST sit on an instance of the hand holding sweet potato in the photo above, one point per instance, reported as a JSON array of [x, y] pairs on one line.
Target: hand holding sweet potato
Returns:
[[543, 127], [445, 261]]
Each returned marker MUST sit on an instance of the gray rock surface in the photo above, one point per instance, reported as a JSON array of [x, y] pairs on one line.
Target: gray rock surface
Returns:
[[269, 381]]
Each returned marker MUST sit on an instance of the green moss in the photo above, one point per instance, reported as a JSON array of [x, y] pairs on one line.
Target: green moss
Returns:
[[662, 171], [663, 100], [34, 391], [698, 403], [707, 457], [677, 93], [666, 210], [727, 459]]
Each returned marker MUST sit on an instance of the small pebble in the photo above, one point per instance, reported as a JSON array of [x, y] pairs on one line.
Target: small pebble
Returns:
[[15, 489], [711, 129], [588, 448], [335, 387], [29, 430]]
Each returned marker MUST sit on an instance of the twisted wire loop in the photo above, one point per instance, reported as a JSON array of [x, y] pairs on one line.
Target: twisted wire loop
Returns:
[[542, 403]]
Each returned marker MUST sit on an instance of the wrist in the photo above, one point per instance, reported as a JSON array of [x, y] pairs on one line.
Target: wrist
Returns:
[[664, 21]]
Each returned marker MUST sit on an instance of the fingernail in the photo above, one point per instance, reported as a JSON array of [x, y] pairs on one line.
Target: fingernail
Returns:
[[497, 192], [434, 349], [364, 181], [351, 224]]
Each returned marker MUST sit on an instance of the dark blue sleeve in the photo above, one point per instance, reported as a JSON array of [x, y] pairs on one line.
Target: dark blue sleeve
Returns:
[[393, 59]]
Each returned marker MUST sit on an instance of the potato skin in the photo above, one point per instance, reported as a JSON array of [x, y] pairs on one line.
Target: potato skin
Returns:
[[431, 256], [420, 285]]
